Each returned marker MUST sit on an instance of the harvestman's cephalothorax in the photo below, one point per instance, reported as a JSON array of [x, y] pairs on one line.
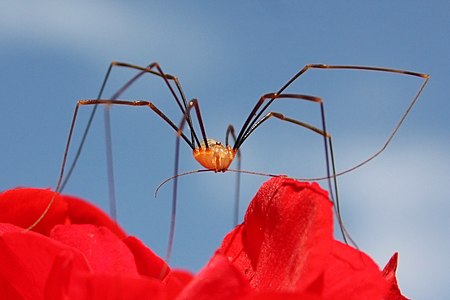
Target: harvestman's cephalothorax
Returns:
[[210, 153]]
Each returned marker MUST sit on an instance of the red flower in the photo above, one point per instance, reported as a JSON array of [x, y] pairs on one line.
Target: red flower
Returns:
[[389, 274], [283, 250]]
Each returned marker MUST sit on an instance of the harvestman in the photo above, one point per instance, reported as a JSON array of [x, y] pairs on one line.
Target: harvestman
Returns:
[[210, 153]]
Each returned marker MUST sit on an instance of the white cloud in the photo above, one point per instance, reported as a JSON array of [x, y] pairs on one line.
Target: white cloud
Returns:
[[401, 203], [101, 28]]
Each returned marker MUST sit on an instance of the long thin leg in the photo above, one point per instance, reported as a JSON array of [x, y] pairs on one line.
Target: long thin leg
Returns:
[[137, 103], [329, 155], [167, 79], [182, 106], [109, 152], [85, 132], [72, 126], [192, 104], [110, 164], [342, 67], [254, 116], [61, 175], [333, 195], [249, 126], [149, 69], [230, 131], [108, 134]]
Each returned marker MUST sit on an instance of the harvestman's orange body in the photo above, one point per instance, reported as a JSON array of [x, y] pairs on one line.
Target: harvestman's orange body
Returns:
[[210, 153], [216, 157]]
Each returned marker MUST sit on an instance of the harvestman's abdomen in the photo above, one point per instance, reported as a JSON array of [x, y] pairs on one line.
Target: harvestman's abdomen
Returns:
[[216, 156]]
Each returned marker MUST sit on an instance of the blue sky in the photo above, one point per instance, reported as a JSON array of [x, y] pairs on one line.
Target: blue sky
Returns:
[[227, 56]]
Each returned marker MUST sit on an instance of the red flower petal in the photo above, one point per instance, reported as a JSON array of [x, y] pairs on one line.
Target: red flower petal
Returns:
[[105, 252], [176, 281], [115, 286], [284, 242], [61, 276], [389, 274], [218, 280], [283, 250], [286, 245], [147, 262], [26, 261], [67, 282], [351, 274], [282, 296], [23, 206], [6, 227], [82, 212]]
